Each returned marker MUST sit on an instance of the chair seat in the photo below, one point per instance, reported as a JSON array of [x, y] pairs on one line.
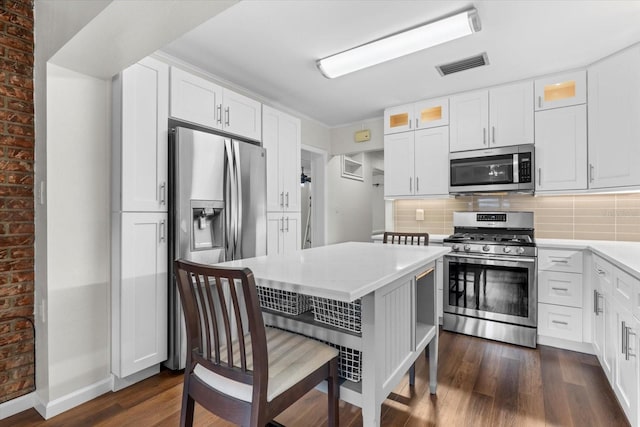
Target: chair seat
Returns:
[[291, 358]]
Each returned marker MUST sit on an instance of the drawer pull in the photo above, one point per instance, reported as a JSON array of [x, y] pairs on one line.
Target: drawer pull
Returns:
[[559, 322], [600, 271], [559, 260], [560, 289], [629, 353]]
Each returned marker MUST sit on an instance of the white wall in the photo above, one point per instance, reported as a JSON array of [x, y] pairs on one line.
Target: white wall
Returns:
[[349, 204], [78, 230], [342, 138], [315, 134]]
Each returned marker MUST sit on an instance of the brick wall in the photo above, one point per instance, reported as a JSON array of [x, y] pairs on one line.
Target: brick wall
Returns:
[[16, 199]]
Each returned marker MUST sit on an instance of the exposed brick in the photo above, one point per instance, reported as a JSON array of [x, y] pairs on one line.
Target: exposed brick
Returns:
[[22, 21], [19, 56], [4, 254], [16, 31], [19, 178], [14, 241], [22, 228], [22, 276], [19, 153], [15, 105], [16, 117], [15, 265], [5, 328], [16, 92], [22, 8], [12, 289], [14, 141], [7, 215], [20, 130], [15, 337], [21, 301], [15, 190], [26, 203], [15, 165], [15, 67], [18, 253]]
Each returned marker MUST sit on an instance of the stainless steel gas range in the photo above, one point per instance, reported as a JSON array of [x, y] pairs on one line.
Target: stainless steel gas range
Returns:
[[490, 287]]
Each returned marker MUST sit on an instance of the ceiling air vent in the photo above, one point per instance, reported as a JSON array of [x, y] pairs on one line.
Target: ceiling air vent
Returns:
[[464, 64]]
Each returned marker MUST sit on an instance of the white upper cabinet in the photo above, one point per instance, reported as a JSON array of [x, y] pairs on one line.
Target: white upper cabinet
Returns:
[[469, 113], [614, 120], [282, 139], [195, 99], [420, 115], [561, 149], [498, 117], [141, 99], [511, 115], [561, 90], [417, 163], [203, 102]]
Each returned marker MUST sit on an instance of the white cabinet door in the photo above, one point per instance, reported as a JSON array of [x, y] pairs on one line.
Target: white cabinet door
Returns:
[[561, 149], [614, 128], [291, 239], [511, 115], [625, 373], [431, 113], [281, 139], [141, 298], [398, 164], [431, 161], [602, 317], [195, 99], [142, 154], [560, 322], [242, 115], [398, 119], [561, 90], [283, 233], [469, 117]]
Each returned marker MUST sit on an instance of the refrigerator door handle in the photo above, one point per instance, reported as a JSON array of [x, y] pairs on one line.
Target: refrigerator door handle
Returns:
[[239, 213], [228, 201]]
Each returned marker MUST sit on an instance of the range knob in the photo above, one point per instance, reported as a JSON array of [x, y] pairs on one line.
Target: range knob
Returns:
[[506, 249], [520, 250], [485, 248], [455, 247], [467, 248]]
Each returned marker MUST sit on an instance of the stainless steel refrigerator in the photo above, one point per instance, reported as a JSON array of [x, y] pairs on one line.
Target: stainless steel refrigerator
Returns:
[[217, 210]]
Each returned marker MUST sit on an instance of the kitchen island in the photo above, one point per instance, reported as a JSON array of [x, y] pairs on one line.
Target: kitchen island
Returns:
[[397, 291]]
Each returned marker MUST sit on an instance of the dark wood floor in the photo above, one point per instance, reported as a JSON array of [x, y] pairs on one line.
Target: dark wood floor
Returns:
[[480, 383]]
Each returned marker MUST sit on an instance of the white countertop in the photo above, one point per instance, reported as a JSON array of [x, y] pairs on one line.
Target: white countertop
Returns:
[[625, 255], [345, 271]]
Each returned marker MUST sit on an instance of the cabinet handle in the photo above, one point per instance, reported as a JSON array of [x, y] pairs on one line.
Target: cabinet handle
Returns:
[[282, 225], [539, 102], [559, 322], [163, 231], [282, 199], [559, 260], [560, 289], [493, 134], [227, 114], [628, 354], [410, 187], [287, 202], [417, 184], [416, 123], [163, 193], [410, 124], [591, 172], [600, 271], [484, 136], [219, 114], [624, 337], [596, 305], [287, 229], [539, 177]]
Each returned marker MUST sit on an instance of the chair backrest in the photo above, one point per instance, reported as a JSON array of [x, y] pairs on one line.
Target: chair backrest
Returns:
[[406, 238], [224, 323]]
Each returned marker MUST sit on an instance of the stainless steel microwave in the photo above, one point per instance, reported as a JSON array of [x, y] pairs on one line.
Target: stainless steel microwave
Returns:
[[497, 169]]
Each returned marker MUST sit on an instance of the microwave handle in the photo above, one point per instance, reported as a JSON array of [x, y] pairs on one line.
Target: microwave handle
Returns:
[[516, 168]]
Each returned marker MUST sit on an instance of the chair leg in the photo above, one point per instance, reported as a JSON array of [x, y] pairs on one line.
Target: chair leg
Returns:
[[412, 375], [188, 405], [333, 394]]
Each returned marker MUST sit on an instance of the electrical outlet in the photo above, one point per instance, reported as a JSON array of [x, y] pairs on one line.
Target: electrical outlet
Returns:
[[419, 214]]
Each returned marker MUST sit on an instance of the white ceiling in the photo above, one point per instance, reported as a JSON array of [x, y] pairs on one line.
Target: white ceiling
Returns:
[[270, 47]]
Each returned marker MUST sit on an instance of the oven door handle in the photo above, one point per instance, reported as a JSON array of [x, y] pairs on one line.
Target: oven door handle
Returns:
[[493, 258]]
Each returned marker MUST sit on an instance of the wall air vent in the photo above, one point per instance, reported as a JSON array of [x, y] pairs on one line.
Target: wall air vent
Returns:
[[464, 64]]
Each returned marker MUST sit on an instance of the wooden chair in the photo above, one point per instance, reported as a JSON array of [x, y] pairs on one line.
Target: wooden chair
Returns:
[[251, 379], [407, 239]]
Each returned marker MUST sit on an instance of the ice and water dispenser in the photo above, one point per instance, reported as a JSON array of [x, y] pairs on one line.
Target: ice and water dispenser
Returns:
[[207, 224]]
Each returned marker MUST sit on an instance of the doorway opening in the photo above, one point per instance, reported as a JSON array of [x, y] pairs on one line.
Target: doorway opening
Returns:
[[312, 196]]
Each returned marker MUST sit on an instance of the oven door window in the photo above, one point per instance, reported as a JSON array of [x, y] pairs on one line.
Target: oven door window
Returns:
[[500, 291], [482, 170]]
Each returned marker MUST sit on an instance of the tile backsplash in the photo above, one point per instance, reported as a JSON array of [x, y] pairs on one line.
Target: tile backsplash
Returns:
[[591, 217]]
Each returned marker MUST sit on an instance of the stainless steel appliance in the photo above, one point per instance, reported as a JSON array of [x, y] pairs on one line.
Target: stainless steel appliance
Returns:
[[497, 169], [217, 210], [490, 287]]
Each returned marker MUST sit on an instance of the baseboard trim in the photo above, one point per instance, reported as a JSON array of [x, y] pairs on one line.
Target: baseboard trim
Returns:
[[17, 405], [582, 347], [120, 383], [57, 406]]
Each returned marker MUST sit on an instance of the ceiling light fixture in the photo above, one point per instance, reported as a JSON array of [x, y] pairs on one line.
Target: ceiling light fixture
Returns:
[[400, 44]]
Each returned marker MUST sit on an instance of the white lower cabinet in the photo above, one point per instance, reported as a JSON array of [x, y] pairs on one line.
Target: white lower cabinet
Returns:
[[561, 322], [139, 292], [283, 232], [602, 318], [625, 383]]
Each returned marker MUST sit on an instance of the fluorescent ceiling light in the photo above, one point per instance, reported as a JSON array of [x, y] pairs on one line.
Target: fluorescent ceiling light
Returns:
[[400, 44]]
